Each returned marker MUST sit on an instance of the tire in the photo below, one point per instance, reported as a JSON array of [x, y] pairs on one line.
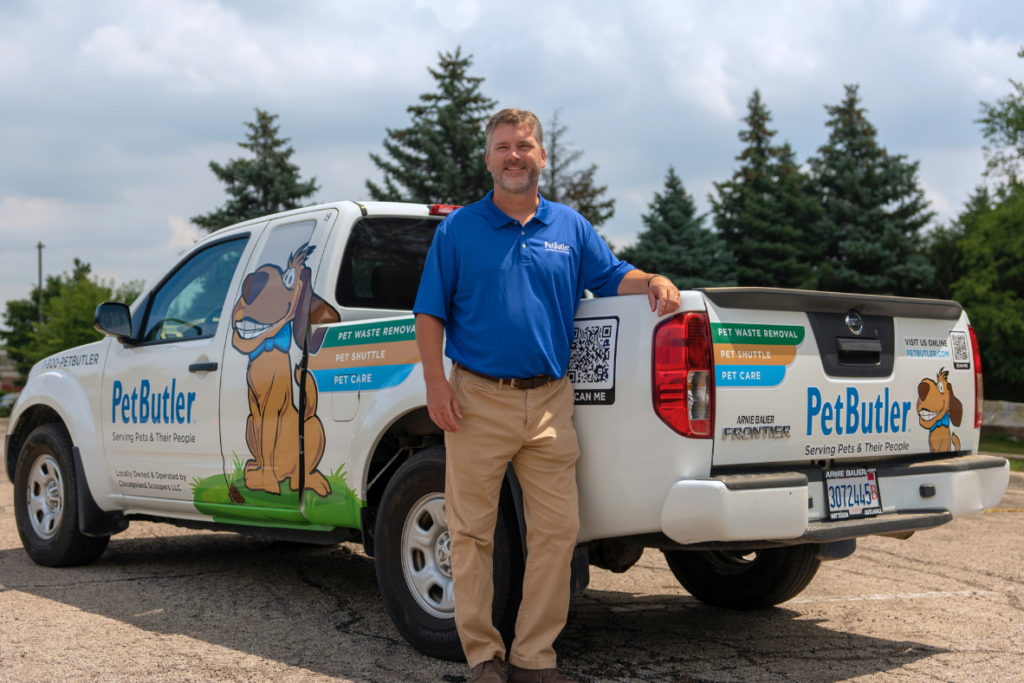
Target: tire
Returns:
[[744, 579], [414, 498], [46, 501]]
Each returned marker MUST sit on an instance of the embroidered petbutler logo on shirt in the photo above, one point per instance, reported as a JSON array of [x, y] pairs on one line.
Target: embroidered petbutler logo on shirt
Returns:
[[560, 247]]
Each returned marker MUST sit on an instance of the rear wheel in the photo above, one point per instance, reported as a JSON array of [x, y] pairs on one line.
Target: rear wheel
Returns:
[[744, 579], [46, 502], [413, 559]]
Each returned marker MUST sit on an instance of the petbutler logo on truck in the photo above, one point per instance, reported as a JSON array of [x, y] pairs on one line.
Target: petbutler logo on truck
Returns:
[[856, 415], [145, 404]]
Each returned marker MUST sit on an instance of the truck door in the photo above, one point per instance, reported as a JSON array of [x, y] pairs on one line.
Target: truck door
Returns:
[[263, 412], [160, 418]]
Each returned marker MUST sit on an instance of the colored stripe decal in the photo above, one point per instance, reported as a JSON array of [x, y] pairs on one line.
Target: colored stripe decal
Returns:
[[370, 333], [741, 333], [368, 378], [754, 354], [367, 355], [749, 375]]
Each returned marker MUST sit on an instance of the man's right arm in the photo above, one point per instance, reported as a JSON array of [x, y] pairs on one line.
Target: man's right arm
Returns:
[[441, 402]]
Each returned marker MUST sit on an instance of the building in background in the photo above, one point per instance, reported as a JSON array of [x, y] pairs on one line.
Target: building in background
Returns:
[[10, 380]]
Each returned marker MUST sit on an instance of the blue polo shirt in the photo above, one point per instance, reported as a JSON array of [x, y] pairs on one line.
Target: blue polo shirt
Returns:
[[507, 292]]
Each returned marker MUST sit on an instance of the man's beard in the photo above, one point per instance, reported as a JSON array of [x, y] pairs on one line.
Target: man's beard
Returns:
[[525, 184]]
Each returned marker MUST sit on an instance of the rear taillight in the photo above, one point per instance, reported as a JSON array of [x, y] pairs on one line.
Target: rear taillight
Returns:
[[979, 385], [442, 209], [683, 381]]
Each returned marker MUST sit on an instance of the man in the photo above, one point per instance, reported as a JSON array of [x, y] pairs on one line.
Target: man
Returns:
[[503, 278]]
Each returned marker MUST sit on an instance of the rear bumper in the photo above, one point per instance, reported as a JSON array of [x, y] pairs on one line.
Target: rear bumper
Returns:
[[789, 507]]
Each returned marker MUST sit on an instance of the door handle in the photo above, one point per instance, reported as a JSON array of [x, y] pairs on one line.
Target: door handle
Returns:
[[202, 367]]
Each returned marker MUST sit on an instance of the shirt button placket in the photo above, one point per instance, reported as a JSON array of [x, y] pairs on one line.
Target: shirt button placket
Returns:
[[524, 254]]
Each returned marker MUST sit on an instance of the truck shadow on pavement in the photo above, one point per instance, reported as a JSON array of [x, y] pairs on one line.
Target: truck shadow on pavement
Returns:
[[319, 609]]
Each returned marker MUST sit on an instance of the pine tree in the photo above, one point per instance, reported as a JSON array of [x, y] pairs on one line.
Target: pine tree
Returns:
[[575, 187], [874, 210], [764, 211], [265, 184], [440, 158], [676, 243]]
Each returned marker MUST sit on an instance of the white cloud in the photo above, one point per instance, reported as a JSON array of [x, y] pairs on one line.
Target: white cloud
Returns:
[[113, 108], [456, 16], [20, 217], [183, 235]]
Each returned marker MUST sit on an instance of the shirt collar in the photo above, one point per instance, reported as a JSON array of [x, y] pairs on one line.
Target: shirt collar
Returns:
[[499, 219]]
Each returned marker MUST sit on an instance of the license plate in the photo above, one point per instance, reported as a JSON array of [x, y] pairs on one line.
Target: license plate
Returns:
[[852, 493]]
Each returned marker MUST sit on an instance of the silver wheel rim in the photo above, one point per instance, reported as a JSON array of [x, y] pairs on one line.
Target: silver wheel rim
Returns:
[[426, 556], [45, 497]]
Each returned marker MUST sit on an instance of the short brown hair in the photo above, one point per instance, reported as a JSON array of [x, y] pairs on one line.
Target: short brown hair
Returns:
[[516, 117]]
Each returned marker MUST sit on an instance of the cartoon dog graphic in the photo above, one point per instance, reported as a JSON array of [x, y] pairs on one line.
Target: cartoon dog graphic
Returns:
[[270, 313], [936, 408]]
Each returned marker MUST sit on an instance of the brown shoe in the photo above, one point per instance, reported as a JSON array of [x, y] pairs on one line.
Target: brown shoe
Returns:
[[536, 676], [494, 671]]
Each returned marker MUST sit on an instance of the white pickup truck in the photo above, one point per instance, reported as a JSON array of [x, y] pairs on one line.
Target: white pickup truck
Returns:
[[268, 383]]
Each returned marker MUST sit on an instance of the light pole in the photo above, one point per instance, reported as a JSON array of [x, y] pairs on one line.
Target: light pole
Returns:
[[40, 292]]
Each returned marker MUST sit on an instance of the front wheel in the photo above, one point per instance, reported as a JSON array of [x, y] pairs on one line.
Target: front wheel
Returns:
[[744, 579], [46, 502], [413, 559]]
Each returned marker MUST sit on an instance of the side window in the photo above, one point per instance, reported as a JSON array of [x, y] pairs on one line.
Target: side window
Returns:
[[384, 261], [188, 305]]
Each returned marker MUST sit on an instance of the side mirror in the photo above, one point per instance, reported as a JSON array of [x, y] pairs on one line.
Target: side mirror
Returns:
[[115, 320]]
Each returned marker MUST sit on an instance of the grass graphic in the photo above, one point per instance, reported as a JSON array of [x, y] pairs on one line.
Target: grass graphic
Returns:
[[212, 496]]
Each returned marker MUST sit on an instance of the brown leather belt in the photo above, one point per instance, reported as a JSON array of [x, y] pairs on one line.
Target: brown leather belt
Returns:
[[527, 383]]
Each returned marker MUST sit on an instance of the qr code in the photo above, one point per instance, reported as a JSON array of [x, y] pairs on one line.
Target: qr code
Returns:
[[592, 357], [961, 354]]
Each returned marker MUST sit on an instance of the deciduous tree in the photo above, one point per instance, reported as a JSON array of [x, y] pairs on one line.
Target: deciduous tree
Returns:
[[1002, 124], [69, 303], [992, 290]]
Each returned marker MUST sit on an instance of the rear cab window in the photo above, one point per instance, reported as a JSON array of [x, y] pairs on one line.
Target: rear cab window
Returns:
[[383, 262]]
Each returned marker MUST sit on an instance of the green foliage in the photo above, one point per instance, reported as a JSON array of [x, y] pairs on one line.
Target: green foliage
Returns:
[[1004, 444], [874, 210], [942, 245], [69, 303], [676, 243], [763, 212], [440, 158], [575, 187], [1002, 124], [992, 291], [267, 183]]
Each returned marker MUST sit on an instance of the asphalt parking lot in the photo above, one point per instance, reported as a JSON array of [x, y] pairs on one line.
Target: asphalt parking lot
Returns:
[[166, 604]]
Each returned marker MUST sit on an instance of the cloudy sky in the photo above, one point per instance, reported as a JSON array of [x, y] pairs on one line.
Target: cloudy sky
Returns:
[[112, 110]]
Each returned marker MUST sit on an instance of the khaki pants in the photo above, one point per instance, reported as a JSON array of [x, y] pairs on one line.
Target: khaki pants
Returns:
[[532, 428]]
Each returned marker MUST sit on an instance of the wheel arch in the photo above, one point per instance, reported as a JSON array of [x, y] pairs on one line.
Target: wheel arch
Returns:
[[39, 404], [31, 417], [409, 431]]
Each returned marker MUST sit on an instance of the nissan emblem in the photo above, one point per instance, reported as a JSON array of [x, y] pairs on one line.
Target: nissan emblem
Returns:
[[854, 322]]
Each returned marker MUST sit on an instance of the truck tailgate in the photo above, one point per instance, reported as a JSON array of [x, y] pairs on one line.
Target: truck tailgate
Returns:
[[810, 376]]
